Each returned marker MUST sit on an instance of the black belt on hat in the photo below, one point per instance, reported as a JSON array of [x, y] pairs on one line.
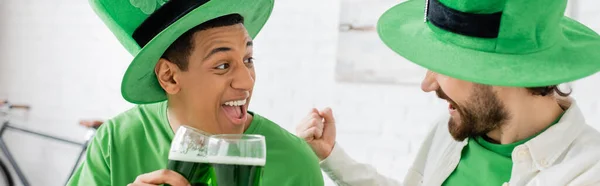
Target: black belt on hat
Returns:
[[162, 18], [468, 24]]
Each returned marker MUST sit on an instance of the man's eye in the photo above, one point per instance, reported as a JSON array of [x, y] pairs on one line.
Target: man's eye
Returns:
[[223, 66], [249, 60]]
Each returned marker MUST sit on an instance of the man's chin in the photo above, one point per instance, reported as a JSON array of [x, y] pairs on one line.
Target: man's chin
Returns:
[[457, 132], [228, 127], [458, 138]]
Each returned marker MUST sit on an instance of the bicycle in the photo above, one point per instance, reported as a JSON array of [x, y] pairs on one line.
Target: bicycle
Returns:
[[5, 175]]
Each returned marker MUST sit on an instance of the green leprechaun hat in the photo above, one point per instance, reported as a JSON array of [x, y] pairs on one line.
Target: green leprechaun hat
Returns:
[[146, 28], [521, 43]]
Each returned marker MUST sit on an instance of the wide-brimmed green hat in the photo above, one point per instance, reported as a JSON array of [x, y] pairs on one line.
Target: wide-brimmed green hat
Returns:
[[146, 28], [521, 43]]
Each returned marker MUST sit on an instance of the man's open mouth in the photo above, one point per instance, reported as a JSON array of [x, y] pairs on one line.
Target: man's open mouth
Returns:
[[451, 106], [235, 109]]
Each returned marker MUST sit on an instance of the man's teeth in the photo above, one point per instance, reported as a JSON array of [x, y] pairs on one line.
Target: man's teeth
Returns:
[[236, 103]]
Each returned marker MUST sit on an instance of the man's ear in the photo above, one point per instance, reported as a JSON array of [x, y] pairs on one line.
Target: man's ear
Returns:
[[166, 73]]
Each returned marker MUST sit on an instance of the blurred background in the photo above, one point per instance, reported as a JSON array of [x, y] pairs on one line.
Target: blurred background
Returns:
[[58, 57]]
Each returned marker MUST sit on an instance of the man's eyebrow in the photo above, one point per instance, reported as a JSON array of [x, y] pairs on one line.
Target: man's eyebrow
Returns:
[[225, 49], [217, 50]]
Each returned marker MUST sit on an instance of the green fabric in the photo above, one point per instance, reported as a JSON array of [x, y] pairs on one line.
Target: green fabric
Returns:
[[480, 166], [138, 142], [490, 162], [536, 45], [122, 17]]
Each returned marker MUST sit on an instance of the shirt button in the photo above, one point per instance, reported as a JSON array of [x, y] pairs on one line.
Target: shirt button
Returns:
[[523, 153], [544, 163]]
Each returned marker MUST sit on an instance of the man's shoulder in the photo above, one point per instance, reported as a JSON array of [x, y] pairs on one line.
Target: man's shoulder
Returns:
[[580, 162], [133, 122], [270, 129], [135, 140], [587, 143], [282, 141], [285, 150], [590, 135], [138, 115]]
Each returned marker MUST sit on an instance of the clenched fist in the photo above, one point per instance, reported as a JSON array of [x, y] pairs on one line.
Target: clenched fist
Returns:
[[318, 129]]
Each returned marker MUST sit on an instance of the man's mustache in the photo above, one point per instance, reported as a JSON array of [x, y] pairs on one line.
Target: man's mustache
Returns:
[[442, 95]]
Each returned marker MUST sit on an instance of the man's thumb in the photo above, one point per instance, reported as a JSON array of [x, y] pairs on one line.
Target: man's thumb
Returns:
[[327, 114]]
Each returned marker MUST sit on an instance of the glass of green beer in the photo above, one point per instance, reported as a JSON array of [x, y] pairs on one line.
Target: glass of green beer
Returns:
[[188, 156], [237, 159]]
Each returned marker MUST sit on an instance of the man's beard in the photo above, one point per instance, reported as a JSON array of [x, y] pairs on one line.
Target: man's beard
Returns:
[[480, 114]]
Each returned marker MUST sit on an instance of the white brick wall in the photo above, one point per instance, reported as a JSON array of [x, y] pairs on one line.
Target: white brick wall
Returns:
[[59, 57]]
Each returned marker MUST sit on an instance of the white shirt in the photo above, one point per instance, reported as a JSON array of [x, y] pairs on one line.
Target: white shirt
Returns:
[[567, 153]]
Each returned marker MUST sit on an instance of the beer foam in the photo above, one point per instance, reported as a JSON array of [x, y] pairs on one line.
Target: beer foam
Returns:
[[190, 157], [237, 161]]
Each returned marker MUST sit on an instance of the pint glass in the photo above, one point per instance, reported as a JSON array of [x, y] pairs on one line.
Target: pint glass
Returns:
[[188, 156], [237, 159]]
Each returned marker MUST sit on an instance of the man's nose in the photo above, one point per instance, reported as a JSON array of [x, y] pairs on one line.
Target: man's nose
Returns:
[[243, 79], [430, 83]]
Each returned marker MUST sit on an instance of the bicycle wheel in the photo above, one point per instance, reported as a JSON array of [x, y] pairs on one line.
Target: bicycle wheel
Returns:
[[5, 176]]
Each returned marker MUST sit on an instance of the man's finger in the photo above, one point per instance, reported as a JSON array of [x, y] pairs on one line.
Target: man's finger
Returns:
[[308, 121], [314, 122], [303, 124], [140, 184], [306, 135], [319, 124], [327, 114], [314, 110], [318, 132], [162, 177], [311, 134]]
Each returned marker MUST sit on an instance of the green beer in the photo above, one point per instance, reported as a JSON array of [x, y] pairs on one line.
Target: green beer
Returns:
[[193, 168], [237, 159], [188, 156], [236, 171], [217, 160]]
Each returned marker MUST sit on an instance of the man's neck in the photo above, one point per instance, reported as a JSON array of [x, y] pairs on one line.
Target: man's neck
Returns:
[[528, 118], [176, 117], [172, 118]]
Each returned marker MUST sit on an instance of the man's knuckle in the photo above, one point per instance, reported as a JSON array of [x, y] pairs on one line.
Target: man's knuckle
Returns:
[[138, 178], [164, 172]]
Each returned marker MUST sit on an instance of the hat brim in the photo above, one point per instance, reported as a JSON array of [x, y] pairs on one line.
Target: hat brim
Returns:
[[140, 85], [402, 28]]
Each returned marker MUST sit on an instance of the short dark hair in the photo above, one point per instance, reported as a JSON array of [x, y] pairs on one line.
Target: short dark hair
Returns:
[[547, 90], [180, 49]]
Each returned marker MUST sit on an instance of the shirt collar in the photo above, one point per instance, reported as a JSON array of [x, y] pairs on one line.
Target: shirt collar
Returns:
[[549, 145]]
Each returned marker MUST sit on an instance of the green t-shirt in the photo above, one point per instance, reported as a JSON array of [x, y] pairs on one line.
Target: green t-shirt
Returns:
[[484, 163], [138, 141]]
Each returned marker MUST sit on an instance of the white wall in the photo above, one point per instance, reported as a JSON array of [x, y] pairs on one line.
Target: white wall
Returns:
[[59, 57]]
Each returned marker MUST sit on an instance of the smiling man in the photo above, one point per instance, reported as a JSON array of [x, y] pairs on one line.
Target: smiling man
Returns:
[[193, 66], [498, 64]]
